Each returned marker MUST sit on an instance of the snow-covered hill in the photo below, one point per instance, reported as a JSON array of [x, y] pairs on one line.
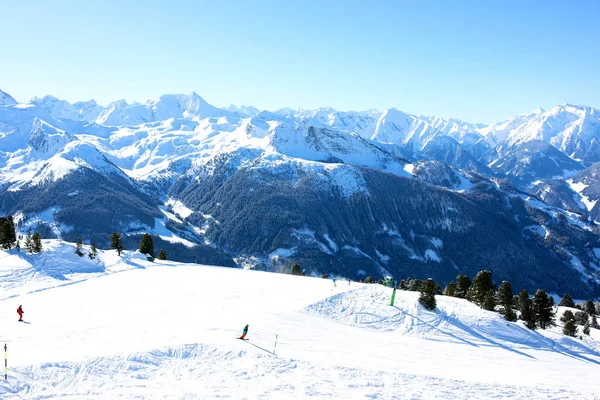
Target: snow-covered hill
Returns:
[[128, 328]]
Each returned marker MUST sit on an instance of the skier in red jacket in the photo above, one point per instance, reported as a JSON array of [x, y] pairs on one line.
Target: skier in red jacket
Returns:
[[20, 312]]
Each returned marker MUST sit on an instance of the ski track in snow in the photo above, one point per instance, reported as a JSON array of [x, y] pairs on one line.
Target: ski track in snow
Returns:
[[128, 328]]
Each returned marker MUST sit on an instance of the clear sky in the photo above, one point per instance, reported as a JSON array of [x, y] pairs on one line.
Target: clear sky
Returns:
[[481, 61]]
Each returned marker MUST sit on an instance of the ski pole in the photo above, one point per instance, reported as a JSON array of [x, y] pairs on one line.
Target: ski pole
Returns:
[[275, 343]]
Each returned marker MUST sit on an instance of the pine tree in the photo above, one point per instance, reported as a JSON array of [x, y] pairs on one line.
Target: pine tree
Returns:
[[526, 309], [450, 289], [569, 328], [147, 245], [29, 243], [489, 301], [8, 236], [162, 255], [94, 252], [482, 284], [542, 309], [116, 242], [427, 296], [567, 316], [594, 322], [79, 247], [504, 297], [37, 242], [581, 318], [463, 283], [296, 270], [590, 308], [566, 301], [586, 329]]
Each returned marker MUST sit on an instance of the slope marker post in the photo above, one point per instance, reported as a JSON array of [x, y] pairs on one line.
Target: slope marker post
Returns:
[[5, 362], [276, 336]]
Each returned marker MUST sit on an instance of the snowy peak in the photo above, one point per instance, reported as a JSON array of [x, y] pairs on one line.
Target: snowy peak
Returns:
[[6, 99], [179, 106], [46, 139], [571, 129]]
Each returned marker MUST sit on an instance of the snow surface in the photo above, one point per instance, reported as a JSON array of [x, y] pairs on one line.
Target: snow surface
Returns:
[[578, 187], [128, 328]]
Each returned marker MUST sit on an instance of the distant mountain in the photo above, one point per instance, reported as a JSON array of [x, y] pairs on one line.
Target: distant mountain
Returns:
[[532, 161], [351, 193], [574, 130], [6, 99]]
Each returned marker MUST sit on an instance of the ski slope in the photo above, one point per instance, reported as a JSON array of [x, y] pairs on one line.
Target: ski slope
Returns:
[[129, 328]]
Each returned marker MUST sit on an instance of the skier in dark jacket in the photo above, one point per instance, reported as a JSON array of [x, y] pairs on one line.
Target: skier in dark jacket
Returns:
[[20, 312], [245, 332]]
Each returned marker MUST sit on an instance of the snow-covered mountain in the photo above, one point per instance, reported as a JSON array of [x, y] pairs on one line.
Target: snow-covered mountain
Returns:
[[370, 192], [574, 130]]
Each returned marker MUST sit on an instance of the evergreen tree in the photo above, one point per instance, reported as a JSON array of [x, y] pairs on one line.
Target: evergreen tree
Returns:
[[542, 309], [8, 236], [482, 284], [369, 279], [590, 308], [489, 301], [581, 318], [570, 328], [594, 323], [147, 245], [450, 289], [463, 283], [94, 252], [37, 242], [296, 270], [427, 296], [29, 243], [526, 309], [79, 247], [116, 242], [566, 301], [586, 329], [567, 316], [162, 255], [504, 297]]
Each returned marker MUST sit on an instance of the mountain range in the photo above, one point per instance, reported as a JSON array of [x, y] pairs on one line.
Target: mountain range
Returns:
[[377, 192]]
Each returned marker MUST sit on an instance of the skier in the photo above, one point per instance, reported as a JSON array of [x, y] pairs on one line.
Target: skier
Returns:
[[245, 332], [20, 312], [334, 282], [304, 272]]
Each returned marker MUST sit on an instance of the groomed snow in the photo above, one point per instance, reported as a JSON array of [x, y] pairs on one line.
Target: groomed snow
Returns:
[[128, 328]]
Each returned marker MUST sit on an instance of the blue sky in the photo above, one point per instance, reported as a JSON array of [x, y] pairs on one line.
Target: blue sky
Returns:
[[481, 61]]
